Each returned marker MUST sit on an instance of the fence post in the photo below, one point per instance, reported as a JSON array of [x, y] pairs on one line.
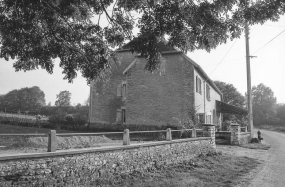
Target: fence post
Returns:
[[168, 134], [193, 135], [209, 131], [126, 137], [235, 134], [52, 141]]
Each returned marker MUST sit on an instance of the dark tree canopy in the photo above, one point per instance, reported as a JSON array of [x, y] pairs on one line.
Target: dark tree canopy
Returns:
[[230, 94], [36, 32], [233, 97], [63, 98], [263, 105], [24, 99]]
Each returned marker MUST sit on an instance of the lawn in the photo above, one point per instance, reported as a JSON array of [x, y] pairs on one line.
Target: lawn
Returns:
[[12, 129], [204, 171]]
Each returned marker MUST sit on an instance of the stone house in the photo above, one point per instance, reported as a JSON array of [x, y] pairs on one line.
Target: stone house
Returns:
[[135, 96]]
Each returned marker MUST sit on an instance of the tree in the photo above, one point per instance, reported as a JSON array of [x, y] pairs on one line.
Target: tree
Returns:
[[281, 113], [87, 101], [63, 98], [263, 105], [24, 99], [37, 32], [233, 97], [230, 94]]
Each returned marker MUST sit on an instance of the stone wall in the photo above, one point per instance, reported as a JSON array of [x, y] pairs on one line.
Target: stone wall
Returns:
[[84, 166], [244, 137], [238, 137], [151, 98]]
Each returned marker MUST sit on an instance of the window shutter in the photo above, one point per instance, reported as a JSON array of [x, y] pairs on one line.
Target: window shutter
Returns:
[[123, 112], [200, 86], [124, 89], [119, 91], [208, 92], [119, 115], [197, 87]]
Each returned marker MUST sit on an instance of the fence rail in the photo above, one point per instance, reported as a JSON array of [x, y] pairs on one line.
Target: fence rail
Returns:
[[33, 134], [126, 135]]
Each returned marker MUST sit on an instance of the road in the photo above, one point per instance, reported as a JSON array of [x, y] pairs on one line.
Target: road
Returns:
[[272, 174]]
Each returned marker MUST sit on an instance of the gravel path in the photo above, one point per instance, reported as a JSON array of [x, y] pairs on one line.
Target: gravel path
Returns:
[[273, 172]]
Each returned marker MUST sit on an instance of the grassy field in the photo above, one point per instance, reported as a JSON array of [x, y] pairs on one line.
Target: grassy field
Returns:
[[30, 144], [272, 128], [22, 116], [12, 129], [203, 171]]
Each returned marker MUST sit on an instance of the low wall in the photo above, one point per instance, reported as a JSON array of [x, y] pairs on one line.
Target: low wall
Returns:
[[224, 135], [84, 166], [244, 138]]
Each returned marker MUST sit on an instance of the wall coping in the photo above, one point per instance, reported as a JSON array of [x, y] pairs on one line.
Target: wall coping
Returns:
[[244, 133], [92, 150], [223, 132], [234, 124]]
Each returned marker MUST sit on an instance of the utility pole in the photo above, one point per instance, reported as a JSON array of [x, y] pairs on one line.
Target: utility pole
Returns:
[[249, 95], [90, 102]]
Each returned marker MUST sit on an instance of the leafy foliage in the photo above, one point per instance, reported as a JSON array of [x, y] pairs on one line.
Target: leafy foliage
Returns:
[[233, 97], [263, 105], [281, 113], [63, 98], [230, 94], [24, 99], [37, 32]]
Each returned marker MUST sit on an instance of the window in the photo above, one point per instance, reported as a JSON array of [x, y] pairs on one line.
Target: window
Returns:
[[198, 85], [201, 118], [124, 90], [119, 115], [208, 92], [124, 119], [208, 119]]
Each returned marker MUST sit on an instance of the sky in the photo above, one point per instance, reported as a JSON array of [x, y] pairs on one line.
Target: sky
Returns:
[[226, 63]]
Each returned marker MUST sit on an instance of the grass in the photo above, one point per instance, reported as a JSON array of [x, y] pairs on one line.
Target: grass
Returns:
[[272, 128], [21, 116], [203, 171], [256, 146], [29, 144], [12, 129]]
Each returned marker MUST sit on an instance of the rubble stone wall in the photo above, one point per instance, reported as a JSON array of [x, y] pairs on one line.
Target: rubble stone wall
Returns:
[[244, 138], [84, 166]]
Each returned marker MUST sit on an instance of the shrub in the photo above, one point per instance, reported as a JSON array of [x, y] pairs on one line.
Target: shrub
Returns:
[[69, 117]]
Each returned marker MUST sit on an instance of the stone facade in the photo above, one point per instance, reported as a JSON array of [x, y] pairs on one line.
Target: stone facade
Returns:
[[157, 98], [84, 166]]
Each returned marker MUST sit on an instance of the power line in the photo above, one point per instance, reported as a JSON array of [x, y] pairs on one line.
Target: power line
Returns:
[[223, 57], [269, 42]]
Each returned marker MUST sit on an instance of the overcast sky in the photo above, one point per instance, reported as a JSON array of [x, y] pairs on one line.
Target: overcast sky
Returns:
[[268, 67]]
